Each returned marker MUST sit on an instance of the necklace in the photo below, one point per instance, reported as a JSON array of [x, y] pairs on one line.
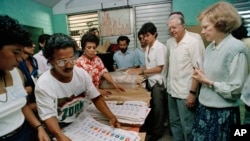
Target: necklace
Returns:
[[5, 85]]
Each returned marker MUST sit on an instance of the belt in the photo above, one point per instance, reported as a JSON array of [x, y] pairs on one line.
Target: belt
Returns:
[[11, 133]]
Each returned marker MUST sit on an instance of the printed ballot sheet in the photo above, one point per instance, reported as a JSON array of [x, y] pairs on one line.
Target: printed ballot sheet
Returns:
[[88, 129], [129, 112]]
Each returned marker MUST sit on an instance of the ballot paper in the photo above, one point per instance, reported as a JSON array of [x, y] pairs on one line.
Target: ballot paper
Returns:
[[88, 129], [128, 112]]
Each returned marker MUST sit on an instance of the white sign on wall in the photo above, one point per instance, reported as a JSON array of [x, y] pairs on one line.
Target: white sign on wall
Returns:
[[115, 22]]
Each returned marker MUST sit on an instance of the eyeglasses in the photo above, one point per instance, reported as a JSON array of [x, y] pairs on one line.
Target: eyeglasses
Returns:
[[63, 62]]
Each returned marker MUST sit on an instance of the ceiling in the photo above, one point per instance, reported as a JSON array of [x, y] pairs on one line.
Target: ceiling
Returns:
[[48, 3]]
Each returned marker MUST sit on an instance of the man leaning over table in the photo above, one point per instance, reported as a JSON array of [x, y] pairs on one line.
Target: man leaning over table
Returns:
[[61, 91]]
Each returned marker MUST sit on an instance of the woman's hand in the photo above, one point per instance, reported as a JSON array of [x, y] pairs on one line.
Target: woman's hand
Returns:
[[199, 75], [119, 88], [104, 92]]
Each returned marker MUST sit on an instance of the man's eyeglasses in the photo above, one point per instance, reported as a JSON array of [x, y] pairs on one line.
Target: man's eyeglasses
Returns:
[[63, 62]]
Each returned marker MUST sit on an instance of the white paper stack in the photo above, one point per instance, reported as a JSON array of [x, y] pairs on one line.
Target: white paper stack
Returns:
[[129, 112], [88, 129]]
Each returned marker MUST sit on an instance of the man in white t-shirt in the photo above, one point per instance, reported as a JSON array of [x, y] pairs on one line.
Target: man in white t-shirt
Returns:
[[61, 92]]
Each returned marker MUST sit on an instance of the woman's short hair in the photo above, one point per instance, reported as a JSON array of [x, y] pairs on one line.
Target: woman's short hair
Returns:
[[11, 32], [223, 15], [88, 37]]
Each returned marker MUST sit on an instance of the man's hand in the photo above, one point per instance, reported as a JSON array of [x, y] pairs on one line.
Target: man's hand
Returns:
[[114, 122], [42, 135], [191, 100]]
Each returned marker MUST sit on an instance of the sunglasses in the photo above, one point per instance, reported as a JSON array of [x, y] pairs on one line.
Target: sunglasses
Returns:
[[63, 62]]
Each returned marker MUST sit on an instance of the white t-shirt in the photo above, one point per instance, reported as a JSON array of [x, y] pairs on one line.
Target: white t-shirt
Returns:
[[11, 116], [63, 100]]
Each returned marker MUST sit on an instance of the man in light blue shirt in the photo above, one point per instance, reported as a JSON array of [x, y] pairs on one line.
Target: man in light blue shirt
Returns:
[[124, 58], [140, 51]]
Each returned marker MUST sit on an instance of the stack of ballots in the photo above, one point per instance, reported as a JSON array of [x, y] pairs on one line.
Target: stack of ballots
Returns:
[[128, 112]]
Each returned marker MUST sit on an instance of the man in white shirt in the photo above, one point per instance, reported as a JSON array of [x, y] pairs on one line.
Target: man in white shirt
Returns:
[[185, 52], [155, 58], [41, 60], [61, 91]]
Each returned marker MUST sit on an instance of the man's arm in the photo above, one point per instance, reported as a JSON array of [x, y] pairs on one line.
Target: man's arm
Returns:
[[54, 128], [103, 108]]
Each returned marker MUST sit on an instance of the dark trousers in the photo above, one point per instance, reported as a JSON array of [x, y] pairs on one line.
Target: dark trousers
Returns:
[[154, 123], [26, 133]]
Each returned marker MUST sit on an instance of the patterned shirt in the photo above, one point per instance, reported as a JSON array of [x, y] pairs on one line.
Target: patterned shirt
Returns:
[[94, 67]]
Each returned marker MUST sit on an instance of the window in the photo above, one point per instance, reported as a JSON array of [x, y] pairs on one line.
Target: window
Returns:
[[243, 8], [79, 24]]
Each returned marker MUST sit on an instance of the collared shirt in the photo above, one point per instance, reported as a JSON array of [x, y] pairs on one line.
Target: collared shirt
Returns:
[[155, 56], [185, 55], [94, 67], [140, 54], [125, 60]]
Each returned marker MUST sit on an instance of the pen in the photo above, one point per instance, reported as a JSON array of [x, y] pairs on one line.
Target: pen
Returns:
[[198, 66]]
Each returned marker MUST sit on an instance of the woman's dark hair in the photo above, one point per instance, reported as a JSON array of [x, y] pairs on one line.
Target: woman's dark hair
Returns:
[[58, 41], [12, 33], [89, 38]]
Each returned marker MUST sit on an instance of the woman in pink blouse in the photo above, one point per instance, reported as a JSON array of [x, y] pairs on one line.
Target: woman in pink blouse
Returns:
[[93, 64]]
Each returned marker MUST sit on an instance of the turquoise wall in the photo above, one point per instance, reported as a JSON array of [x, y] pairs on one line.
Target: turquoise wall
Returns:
[[60, 24], [31, 13], [28, 12], [192, 8]]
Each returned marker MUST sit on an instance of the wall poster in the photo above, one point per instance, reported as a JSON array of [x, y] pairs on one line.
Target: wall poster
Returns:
[[115, 22]]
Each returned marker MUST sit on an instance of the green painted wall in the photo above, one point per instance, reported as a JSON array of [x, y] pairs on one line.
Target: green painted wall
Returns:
[[29, 13], [60, 24], [192, 8]]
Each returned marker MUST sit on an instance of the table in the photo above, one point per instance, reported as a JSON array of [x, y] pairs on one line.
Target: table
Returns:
[[137, 93]]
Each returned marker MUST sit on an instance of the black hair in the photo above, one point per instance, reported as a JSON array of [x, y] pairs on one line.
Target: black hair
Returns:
[[139, 33], [123, 38], [89, 38], [240, 32], [58, 41], [93, 29], [149, 27], [43, 38], [12, 33]]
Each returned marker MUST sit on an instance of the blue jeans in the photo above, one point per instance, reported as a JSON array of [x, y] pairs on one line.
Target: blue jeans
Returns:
[[26, 133], [181, 118]]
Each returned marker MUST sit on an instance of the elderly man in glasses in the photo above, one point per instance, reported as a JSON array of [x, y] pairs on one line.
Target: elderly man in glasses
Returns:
[[61, 92]]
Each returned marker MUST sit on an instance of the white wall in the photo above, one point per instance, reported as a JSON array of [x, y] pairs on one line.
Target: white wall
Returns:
[[77, 6]]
